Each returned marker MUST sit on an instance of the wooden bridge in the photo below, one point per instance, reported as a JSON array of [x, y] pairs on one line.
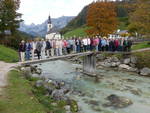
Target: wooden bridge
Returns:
[[89, 59]]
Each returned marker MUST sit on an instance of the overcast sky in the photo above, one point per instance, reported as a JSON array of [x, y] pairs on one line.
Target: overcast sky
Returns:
[[37, 11]]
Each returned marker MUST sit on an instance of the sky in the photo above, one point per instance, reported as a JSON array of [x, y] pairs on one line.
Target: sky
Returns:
[[37, 11]]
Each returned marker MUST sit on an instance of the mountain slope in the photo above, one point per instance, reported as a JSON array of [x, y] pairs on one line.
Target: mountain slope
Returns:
[[41, 29], [77, 22]]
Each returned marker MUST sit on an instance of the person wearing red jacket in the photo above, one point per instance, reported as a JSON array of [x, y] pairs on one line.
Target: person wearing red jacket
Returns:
[[116, 44]]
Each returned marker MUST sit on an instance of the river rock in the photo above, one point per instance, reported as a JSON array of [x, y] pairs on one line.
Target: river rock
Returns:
[[94, 102], [114, 59], [124, 66], [145, 71], [58, 95], [106, 64], [133, 60], [118, 102], [132, 65], [39, 83], [96, 108], [136, 91], [126, 61], [35, 70], [67, 108], [100, 57]]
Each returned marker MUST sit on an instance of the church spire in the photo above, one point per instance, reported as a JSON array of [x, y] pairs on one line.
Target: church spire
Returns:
[[49, 19]]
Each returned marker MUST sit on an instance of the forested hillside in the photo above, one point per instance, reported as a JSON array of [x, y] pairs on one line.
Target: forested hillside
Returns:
[[79, 22]]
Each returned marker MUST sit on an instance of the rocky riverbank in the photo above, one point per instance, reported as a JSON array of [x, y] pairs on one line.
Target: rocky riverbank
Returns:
[[118, 62], [57, 90]]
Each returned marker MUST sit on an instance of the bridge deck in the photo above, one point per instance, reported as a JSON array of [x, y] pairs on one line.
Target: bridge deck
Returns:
[[77, 54]]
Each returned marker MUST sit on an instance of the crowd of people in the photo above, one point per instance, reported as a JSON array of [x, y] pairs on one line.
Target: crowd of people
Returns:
[[57, 47]]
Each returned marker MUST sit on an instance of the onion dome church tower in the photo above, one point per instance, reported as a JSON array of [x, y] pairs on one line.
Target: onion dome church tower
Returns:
[[52, 32], [49, 25]]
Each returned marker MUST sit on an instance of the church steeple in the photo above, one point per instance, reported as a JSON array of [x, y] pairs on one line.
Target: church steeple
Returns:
[[49, 25], [49, 20]]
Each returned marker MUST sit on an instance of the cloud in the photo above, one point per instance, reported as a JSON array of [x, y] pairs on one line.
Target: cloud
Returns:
[[36, 11]]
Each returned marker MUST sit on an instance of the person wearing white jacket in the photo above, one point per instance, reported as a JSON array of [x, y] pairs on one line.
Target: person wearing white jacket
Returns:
[[60, 47], [33, 44], [85, 44], [43, 49]]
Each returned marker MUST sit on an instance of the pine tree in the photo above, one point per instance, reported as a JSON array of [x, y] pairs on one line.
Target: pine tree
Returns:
[[101, 18]]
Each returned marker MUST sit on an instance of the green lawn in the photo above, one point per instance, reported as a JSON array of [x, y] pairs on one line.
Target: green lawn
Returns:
[[8, 54], [79, 32], [18, 97], [141, 46]]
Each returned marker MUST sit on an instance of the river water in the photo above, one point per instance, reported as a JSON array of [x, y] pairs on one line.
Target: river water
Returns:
[[93, 92]]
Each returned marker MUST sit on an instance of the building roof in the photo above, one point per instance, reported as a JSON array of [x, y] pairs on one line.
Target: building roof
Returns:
[[53, 30], [122, 32]]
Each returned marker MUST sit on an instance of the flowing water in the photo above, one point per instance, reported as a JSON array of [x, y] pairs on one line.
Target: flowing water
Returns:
[[93, 92]]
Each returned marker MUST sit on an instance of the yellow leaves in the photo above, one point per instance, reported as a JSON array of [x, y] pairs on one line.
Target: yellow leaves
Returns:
[[101, 18]]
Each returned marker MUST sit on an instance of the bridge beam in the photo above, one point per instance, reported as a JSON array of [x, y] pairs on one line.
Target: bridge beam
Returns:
[[89, 64]]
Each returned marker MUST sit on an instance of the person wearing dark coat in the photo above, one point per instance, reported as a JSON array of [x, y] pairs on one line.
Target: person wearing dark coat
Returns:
[[22, 49], [129, 45], [48, 47], [38, 48]]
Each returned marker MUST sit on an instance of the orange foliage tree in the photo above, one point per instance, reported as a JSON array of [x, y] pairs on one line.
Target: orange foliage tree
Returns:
[[101, 18]]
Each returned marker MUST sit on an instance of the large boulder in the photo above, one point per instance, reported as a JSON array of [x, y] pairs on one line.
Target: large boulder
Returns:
[[145, 71], [118, 101], [126, 61]]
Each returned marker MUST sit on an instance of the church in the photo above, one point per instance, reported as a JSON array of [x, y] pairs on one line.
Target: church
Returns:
[[52, 33]]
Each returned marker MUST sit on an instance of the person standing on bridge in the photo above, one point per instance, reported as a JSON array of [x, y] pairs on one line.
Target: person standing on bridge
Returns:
[[43, 49], [85, 44], [22, 48], [28, 50], [48, 47], [60, 47], [33, 44], [38, 48], [52, 42]]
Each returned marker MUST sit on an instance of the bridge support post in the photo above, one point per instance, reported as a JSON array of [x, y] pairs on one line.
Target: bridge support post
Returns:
[[89, 64]]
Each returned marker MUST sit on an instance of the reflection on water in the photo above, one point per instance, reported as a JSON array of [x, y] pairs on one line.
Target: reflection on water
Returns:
[[125, 84]]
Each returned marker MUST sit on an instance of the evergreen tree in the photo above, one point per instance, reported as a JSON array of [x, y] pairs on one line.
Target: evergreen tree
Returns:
[[9, 17]]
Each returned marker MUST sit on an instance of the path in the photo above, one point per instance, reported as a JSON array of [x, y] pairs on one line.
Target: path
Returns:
[[4, 69]]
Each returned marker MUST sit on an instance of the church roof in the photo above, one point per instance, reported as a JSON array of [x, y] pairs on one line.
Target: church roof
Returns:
[[53, 30]]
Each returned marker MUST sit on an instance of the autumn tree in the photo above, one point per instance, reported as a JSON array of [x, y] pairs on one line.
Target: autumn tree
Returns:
[[140, 18], [101, 18]]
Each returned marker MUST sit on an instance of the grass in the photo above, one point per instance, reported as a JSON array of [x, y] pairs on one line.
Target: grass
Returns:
[[18, 98], [143, 59], [123, 23], [8, 54], [79, 32], [141, 46]]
